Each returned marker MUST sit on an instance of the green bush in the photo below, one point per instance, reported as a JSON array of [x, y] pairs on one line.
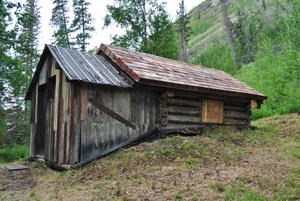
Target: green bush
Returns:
[[217, 56], [276, 74], [12, 153], [3, 127]]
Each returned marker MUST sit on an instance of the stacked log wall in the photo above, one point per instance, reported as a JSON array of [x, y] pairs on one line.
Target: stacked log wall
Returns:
[[180, 111], [237, 113], [183, 109]]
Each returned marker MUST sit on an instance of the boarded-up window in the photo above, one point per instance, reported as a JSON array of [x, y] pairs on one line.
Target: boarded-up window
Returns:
[[212, 111]]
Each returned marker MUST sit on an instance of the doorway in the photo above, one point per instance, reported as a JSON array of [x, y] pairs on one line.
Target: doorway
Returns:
[[41, 120]]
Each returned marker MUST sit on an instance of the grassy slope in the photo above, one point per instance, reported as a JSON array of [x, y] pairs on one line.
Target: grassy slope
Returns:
[[208, 42], [263, 164], [207, 26]]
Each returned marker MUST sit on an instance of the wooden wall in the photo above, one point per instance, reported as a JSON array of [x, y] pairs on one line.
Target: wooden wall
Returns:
[[123, 115], [179, 109], [237, 112], [177, 112], [56, 114]]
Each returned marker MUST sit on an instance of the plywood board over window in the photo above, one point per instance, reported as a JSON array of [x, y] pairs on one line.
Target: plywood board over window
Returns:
[[212, 111]]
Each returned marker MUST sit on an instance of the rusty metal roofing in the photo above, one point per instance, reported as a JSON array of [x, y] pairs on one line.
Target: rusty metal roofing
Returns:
[[158, 71], [86, 67], [81, 66]]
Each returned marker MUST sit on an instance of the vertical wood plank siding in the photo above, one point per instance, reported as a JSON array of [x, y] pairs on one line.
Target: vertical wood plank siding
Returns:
[[57, 116], [101, 132]]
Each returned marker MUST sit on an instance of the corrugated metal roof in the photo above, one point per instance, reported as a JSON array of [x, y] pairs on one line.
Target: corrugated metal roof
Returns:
[[86, 67], [149, 69]]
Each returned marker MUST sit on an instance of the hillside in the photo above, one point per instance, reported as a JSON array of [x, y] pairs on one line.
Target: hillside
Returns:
[[266, 36], [261, 164]]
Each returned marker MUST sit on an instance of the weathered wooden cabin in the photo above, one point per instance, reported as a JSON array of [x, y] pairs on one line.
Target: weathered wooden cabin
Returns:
[[85, 106]]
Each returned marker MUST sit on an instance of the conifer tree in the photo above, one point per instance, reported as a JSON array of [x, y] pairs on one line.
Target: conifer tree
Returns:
[[26, 58], [184, 31], [6, 34], [5, 19], [60, 21], [82, 23], [27, 43]]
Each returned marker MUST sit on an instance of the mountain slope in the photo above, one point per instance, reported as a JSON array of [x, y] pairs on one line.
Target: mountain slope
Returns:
[[266, 36]]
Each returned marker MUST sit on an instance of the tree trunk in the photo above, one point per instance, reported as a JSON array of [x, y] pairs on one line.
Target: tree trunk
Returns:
[[264, 5], [83, 29], [228, 29], [144, 23]]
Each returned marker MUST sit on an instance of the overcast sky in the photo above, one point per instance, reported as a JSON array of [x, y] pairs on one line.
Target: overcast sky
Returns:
[[98, 11]]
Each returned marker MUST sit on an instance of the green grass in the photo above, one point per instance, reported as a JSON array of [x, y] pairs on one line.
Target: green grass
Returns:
[[295, 151], [179, 196], [199, 27], [238, 192], [289, 187], [12, 153], [258, 165]]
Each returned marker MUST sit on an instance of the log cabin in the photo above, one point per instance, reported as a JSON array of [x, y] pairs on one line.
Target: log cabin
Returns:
[[85, 105]]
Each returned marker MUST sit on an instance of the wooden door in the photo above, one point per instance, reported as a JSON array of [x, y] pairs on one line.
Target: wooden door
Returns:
[[212, 111]]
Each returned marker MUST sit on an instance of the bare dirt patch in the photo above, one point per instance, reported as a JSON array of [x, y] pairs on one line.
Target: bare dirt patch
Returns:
[[15, 183]]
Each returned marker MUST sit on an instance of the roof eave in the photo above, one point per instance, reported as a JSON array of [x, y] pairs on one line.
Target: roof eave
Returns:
[[249, 96]]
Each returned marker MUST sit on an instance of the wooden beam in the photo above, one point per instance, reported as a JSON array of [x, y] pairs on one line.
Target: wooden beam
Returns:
[[167, 94], [183, 102], [183, 110], [242, 95], [228, 121], [111, 113], [188, 119], [254, 104], [237, 115], [236, 108]]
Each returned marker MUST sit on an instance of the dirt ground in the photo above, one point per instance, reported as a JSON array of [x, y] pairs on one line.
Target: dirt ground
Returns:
[[15, 183], [263, 164]]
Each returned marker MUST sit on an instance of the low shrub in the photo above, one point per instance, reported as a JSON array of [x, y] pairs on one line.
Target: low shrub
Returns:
[[14, 152]]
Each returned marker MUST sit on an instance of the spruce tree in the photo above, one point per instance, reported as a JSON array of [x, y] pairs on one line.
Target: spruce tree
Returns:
[[27, 43], [8, 67], [26, 60], [82, 23], [6, 36], [5, 20], [184, 31], [60, 21]]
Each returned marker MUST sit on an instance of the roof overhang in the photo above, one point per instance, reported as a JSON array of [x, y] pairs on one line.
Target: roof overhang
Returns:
[[122, 63]]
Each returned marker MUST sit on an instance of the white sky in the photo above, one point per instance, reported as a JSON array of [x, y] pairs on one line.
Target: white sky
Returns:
[[98, 11]]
